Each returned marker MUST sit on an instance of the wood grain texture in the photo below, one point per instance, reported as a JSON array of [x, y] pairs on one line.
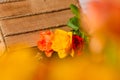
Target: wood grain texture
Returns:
[[8, 1], [21, 21], [33, 6], [14, 8], [36, 22], [27, 39], [2, 44]]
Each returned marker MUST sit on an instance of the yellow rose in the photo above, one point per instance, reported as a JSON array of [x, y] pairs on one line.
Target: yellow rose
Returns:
[[62, 42]]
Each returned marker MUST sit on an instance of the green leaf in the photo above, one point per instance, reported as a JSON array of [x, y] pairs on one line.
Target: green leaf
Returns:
[[75, 32], [74, 10], [73, 23]]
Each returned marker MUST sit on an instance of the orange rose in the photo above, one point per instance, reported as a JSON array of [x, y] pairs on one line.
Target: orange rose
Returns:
[[45, 42]]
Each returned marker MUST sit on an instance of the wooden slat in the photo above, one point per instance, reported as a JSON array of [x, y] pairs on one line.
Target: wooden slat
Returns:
[[37, 22], [2, 44], [33, 6], [29, 39], [7, 1], [14, 8]]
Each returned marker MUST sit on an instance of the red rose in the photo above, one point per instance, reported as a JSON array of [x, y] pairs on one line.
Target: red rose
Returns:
[[77, 43]]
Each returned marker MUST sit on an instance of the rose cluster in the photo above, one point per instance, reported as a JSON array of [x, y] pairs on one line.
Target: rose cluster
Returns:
[[60, 41]]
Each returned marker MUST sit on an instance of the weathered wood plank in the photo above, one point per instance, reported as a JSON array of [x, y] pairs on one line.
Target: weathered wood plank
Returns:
[[29, 39], [2, 44], [37, 22], [14, 8], [8, 1], [33, 6]]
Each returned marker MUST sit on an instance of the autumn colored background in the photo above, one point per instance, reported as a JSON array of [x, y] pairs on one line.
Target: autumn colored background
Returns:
[[100, 62]]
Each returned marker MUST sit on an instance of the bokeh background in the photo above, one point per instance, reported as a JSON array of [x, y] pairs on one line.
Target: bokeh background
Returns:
[[22, 20]]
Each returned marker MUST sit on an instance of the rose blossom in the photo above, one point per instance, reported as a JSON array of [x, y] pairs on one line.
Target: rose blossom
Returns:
[[45, 42]]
